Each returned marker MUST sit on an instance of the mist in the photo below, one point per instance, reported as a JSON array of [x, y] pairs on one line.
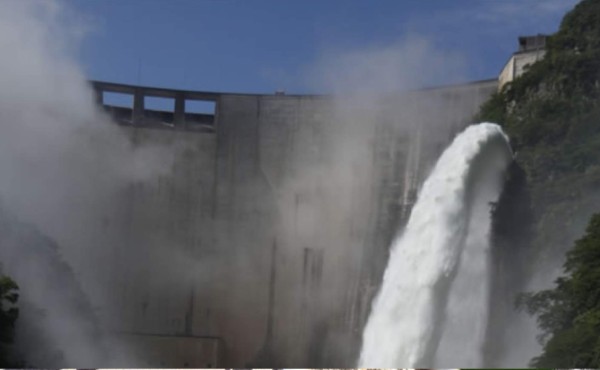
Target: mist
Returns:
[[273, 235], [351, 175], [61, 163]]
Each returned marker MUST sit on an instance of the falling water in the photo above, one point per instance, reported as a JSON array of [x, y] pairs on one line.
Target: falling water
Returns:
[[432, 308]]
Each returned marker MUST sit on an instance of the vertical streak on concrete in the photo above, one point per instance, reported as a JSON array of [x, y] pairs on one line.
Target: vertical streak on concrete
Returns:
[[222, 164], [215, 182], [271, 302], [306, 288], [189, 316], [257, 133], [305, 266], [417, 165]]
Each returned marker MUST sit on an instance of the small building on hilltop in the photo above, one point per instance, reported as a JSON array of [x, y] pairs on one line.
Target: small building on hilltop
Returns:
[[531, 50]]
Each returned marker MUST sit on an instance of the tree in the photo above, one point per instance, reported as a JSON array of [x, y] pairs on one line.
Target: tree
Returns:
[[569, 314]]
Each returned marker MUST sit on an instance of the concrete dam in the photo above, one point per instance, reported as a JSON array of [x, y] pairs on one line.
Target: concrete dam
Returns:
[[265, 241], [154, 227]]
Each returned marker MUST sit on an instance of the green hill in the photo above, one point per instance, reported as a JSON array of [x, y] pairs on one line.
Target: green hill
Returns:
[[552, 115]]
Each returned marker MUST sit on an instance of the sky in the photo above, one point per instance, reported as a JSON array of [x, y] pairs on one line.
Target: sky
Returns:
[[260, 46]]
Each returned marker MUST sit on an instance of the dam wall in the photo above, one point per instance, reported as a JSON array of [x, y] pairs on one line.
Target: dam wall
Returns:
[[266, 240]]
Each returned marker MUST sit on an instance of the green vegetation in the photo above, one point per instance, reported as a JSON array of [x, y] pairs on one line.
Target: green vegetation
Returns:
[[552, 115], [569, 314], [554, 106], [8, 316]]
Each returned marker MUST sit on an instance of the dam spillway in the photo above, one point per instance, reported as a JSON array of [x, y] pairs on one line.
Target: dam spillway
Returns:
[[276, 216], [433, 305]]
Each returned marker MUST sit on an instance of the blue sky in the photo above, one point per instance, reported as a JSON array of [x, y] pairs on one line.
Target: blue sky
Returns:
[[259, 46]]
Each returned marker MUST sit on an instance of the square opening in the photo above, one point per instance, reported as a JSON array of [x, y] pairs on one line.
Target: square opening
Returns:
[[158, 109], [200, 106], [120, 106], [159, 104], [200, 113], [120, 100]]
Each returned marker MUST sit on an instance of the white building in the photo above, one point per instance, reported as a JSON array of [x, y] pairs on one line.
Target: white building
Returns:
[[531, 50]]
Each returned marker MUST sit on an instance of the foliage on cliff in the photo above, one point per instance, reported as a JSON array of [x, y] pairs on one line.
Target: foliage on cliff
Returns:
[[569, 314], [551, 112], [552, 115]]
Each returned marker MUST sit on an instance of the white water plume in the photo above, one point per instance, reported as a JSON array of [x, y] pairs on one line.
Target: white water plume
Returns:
[[63, 165], [433, 304]]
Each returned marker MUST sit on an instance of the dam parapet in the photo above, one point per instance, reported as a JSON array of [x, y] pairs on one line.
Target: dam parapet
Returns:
[[136, 113]]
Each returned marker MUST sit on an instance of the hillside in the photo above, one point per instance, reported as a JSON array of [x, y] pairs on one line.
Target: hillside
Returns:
[[552, 115]]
